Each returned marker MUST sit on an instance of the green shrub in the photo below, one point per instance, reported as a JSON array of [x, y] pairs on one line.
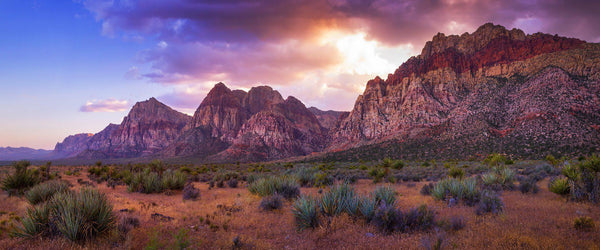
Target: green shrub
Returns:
[[305, 211], [270, 203], [459, 189], [559, 186], [21, 180], [173, 180], [495, 159], [147, 182], [456, 172], [489, 202], [44, 191], [385, 194], [584, 223], [284, 186], [77, 216], [337, 199]]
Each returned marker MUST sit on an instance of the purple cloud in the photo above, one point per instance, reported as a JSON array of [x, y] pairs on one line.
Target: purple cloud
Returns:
[[108, 105]]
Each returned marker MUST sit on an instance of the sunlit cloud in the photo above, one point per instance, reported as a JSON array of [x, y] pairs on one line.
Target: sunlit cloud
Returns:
[[108, 105]]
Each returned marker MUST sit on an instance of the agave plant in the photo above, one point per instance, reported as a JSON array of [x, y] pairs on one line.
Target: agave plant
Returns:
[[305, 211]]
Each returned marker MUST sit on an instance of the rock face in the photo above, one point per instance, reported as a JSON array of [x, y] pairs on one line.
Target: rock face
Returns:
[[329, 118], [253, 126], [149, 127], [491, 91], [72, 145]]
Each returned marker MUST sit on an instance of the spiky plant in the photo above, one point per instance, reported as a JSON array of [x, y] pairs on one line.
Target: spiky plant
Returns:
[[336, 199], [305, 211], [44, 191], [35, 222], [385, 193], [21, 180]]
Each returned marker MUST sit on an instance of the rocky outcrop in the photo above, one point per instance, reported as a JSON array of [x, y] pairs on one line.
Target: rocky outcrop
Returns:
[[149, 127], [72, 145], [483, 89], [327, 119], [253, 126]]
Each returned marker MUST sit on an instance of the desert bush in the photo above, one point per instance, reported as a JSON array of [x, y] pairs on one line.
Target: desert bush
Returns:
[[435, 241], [489, 202], [459, 189], [379, 174], [495, 159], [127, 223], [173, 180], [145, 182], [426, 189], [528, 186], [21, 180], [312, 177], [77, 216], [337, 199], [584, 223], [559, 186], [367, 207], [455, 223], [44, 191], [220, 183], [271, 202], [456, 172], [284, 186], [305, 211], [232, 183], [387, 218], [190, 192], [36, 222], [384, 194], [393, 164], [419, 218]]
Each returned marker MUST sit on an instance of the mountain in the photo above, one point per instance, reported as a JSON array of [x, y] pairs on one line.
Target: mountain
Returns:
[[495, 90], [327, 119], [72, 145], [149, 127], [23, 153], [249, 126]]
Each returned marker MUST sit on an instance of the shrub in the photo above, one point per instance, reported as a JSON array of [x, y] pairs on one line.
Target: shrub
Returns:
[[584, 223], [43, 192], [495, 159], [455, 223], [379, 174], [126, 223], [284, 186], [426, 189], [489, 202], [336, 199], [559, 186], [190, 192], [21, 180], [367, 207], [232, 183], [271, 202], [173, 180], [419, 218], [459, 189], [456, 172], [36, 222], [145, 182], [305, 212], [528, 186], [385, 194], [75, 215], [434, 242], [387, 218]]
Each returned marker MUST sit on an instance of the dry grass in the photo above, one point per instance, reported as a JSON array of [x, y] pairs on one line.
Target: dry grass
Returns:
[[541, 221]]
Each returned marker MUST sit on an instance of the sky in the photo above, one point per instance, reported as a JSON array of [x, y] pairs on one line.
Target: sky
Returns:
[[70, 67]]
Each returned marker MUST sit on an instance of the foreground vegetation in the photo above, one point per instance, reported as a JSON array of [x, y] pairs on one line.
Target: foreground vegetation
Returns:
[[497, 202]]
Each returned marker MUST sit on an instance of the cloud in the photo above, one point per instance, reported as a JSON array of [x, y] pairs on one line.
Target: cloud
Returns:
[[108, 105], [309, 45], [133, 74]]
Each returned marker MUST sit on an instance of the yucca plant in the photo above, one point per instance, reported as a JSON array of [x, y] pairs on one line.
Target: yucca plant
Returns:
[[35, 222], [336, 199], [174, 180], [44, 191], [559, 186], [284, 186], [305, 211], [489, 179], [21, 180], [81, 215], [506, 176], [385, 193], [367, 207]]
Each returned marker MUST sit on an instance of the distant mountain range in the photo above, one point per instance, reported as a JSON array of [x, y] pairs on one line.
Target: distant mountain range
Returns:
[[495, 90]]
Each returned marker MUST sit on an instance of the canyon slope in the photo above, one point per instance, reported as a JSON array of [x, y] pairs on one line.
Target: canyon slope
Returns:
[[149, 127], [249, 126], [495, 90]]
